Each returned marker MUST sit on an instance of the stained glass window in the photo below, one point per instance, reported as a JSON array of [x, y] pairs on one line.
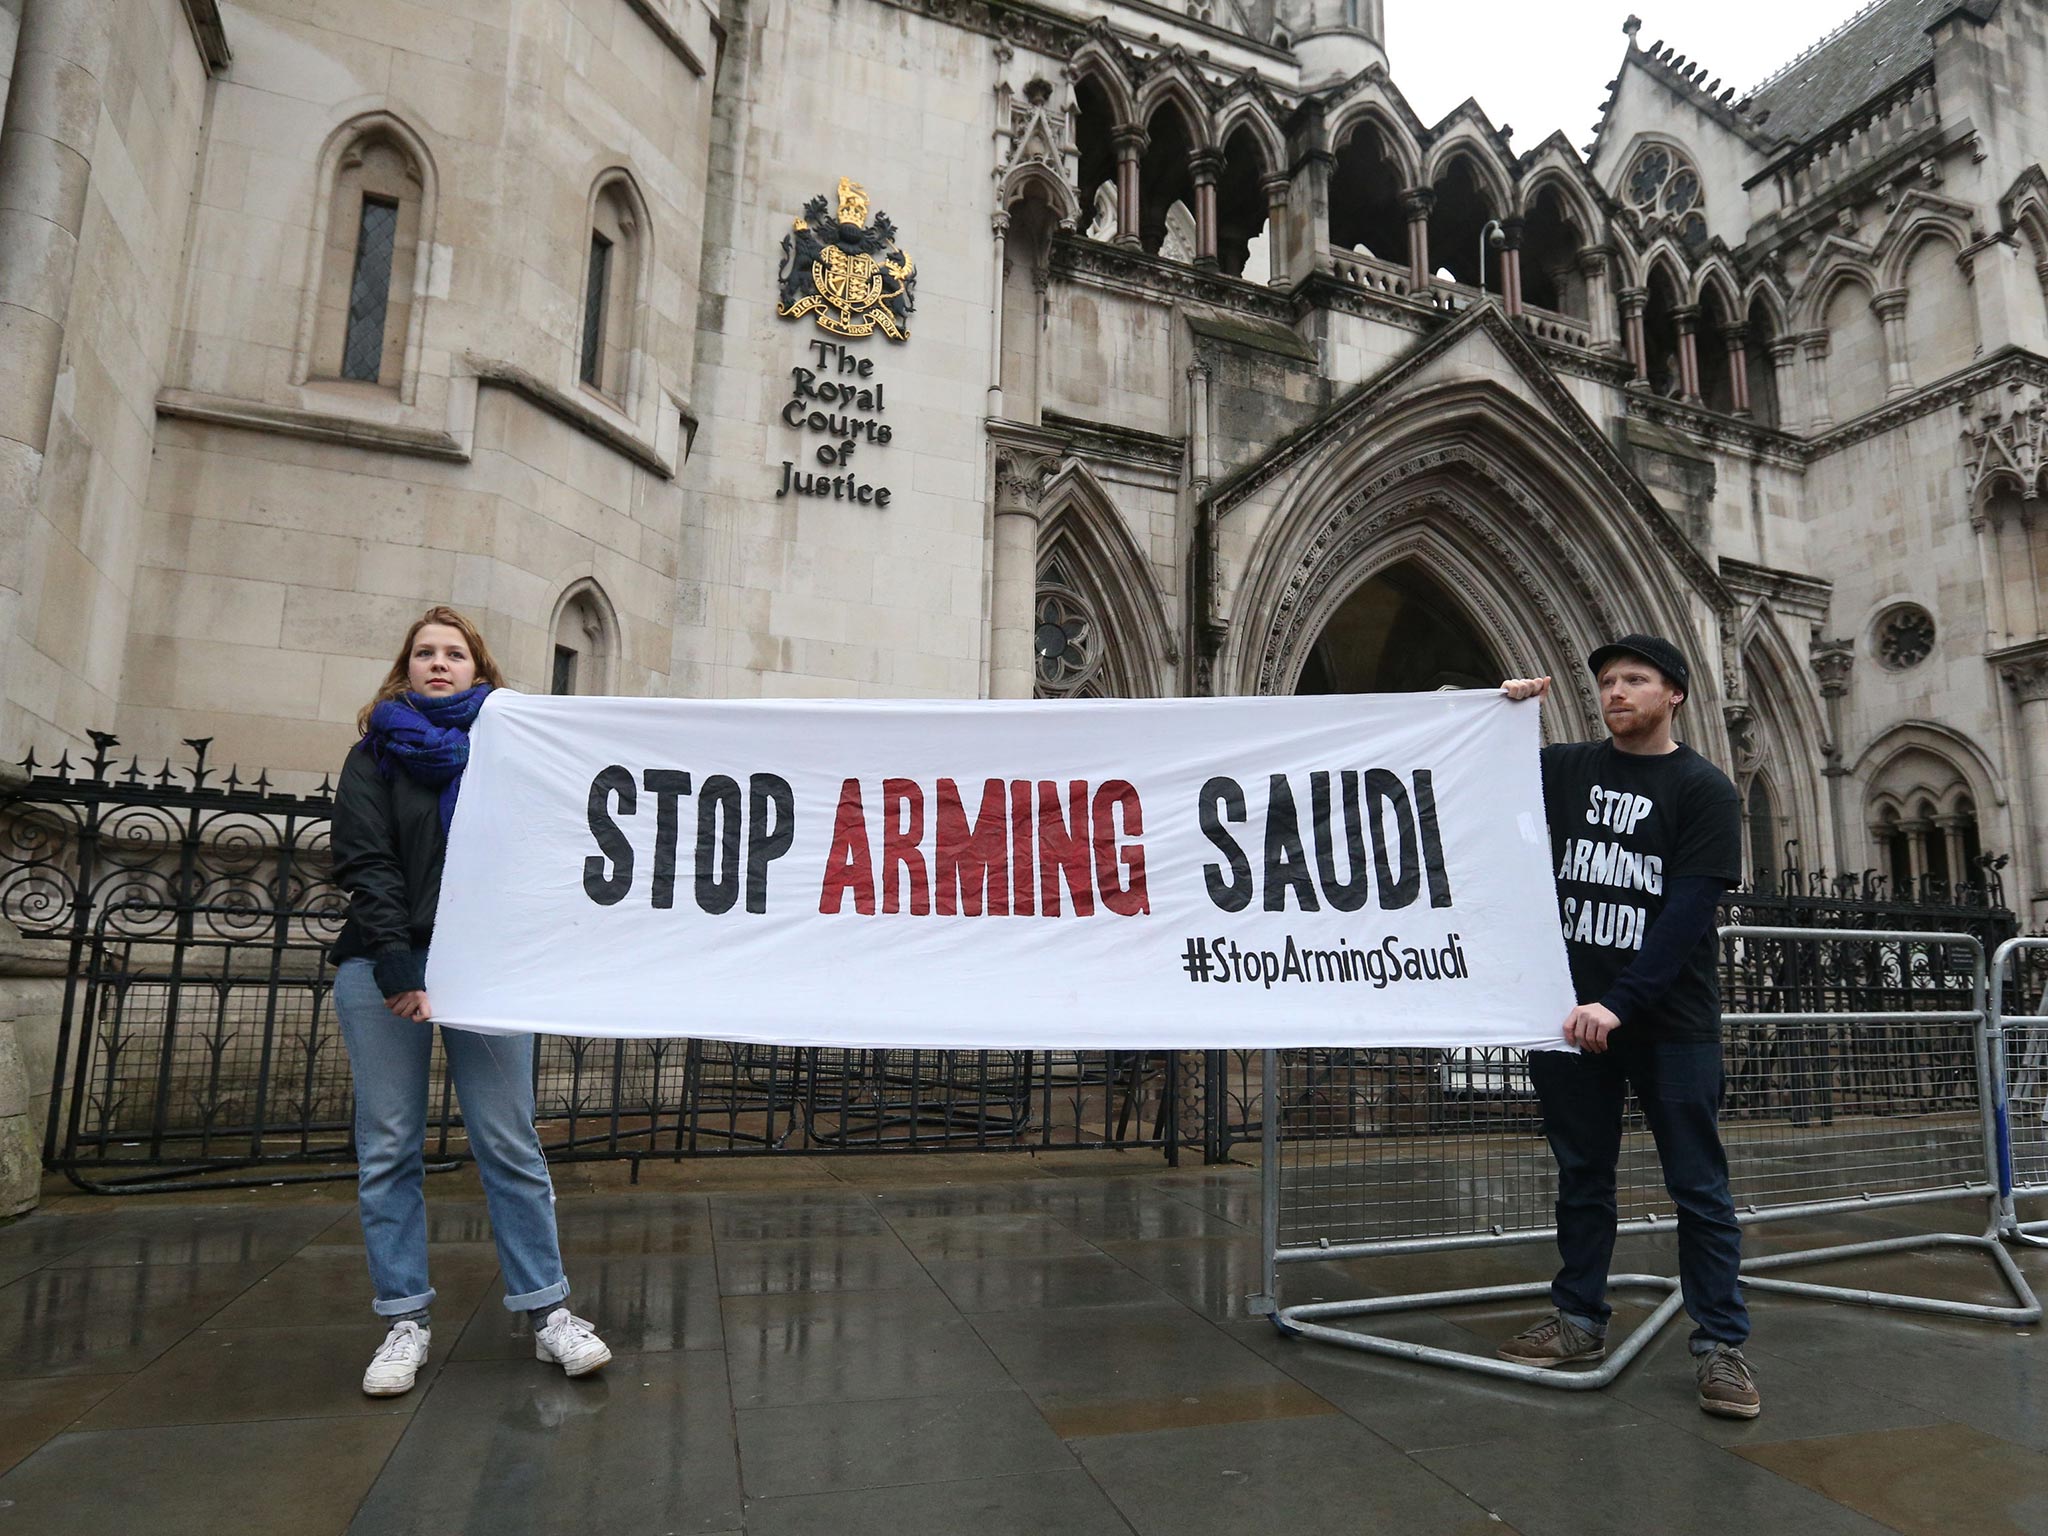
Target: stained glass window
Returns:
[[369, 293]]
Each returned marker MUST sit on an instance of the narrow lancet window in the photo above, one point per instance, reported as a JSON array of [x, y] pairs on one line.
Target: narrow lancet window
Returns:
[[369, 295], [594, 311]]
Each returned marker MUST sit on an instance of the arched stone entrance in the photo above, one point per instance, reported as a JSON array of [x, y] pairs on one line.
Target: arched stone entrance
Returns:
[[1400, 631], [1456, 533]]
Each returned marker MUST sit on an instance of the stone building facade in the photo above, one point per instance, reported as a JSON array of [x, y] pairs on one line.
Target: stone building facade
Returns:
[[1214, 370]]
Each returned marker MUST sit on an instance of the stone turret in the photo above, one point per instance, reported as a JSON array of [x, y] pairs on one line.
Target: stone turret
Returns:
[[1334, 39]]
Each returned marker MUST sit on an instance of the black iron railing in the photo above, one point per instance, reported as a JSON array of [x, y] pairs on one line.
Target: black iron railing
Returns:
[[190, 911]]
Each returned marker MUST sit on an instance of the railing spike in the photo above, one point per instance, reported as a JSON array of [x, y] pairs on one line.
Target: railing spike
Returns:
[[63, 769], [28, 763], [199, 744]]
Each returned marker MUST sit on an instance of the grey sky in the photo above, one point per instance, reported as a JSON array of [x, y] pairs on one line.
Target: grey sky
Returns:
[[1546, 67]]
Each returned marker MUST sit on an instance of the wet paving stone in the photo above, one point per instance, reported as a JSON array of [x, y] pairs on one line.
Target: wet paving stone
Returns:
[[1932, 1480], [98, 1320], [856, 1347], [326, 1284], [175, 1235], [32, 1409], [753, 1218], [980, 1358], [1603, 1482], [823, 1447], [1119, 1352], [989, 1235], [869, 1262], [643, 1305], [1067, 1502], [1316, 1477], [518, 1449], [997, 1284], [305, 1476], [237, 1375]]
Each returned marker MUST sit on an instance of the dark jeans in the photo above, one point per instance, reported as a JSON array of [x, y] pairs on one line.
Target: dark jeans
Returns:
[[1678, 1084]]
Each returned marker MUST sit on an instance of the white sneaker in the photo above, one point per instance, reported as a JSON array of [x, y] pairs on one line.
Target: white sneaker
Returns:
[[397, 1361], [568, 1341]]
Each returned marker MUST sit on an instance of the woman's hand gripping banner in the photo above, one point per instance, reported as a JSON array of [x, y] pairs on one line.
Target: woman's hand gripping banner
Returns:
[[1342, 870]]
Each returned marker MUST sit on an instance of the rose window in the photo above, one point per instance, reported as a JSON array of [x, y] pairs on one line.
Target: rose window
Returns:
[[1064, 642], [1661, 186], [1905, 637]]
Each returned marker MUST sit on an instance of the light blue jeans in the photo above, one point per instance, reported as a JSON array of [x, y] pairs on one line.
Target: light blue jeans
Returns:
[[494, 1084]]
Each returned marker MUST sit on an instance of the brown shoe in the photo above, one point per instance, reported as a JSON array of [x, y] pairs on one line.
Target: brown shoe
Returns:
[[1727, 1390], [1557, 1340]]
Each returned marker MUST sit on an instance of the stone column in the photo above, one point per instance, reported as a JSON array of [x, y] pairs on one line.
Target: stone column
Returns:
[[1632, 302], [1916, 831], [1279, 255], [1599, 307], [1130, 148], [1511, 266], [1898, 370], [1688, 321], [1991, 571], [1832, 661], [1880, 847], [1308, 196], [1205, 165], [1819, 416], [1019, 485], [46, 144], [2025, 671], [1785, 373], [1416, 202], [995, 329], [1951, 829], [1737, 337]]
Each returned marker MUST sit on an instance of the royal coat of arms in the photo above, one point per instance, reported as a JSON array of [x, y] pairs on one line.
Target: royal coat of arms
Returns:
[[849, 273]]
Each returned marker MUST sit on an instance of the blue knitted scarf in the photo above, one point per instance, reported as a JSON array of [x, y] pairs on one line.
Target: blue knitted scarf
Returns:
[[428, 738]]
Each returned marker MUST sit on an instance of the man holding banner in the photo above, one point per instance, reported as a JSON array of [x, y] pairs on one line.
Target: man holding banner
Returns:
[[1645, 835]]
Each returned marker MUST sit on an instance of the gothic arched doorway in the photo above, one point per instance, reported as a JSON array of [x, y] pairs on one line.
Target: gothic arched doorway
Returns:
[[1400, 632]]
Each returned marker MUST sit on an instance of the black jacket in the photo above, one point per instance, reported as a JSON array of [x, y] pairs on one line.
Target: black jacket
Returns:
[[388, 846]]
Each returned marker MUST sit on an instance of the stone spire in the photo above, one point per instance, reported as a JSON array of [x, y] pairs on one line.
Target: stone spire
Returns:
[[1334, 39]]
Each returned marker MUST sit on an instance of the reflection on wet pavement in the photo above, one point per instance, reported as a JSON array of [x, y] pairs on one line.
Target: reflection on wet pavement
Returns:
[[928, 1350]]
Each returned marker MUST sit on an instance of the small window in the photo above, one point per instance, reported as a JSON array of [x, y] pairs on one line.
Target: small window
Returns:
[[369, 291], [1905, 637], [369, 264], [614, 280], [585, 637], [594, 295]]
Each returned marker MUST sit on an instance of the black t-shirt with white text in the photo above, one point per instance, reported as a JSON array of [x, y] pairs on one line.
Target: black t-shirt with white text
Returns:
[[1621, 827]]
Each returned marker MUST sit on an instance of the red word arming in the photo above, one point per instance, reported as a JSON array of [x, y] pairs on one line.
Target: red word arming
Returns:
[[896, 848]]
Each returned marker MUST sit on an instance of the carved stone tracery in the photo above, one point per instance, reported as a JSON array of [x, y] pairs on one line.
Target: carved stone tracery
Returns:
[[1324, 573]]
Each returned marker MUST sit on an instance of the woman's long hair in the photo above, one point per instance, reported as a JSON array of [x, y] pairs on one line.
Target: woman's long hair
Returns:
[[398, 681]]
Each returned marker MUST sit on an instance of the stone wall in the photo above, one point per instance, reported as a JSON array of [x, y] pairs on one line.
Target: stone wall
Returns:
[[802, 595], [299, 522]]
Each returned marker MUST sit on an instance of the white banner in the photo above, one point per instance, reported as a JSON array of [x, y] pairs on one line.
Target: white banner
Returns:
[[1344, 870]]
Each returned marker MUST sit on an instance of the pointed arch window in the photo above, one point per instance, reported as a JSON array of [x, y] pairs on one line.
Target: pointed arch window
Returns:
[[365, 322], [584, 642], [614, 261]]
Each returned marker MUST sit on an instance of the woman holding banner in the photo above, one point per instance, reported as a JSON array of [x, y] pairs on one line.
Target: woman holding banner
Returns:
[[392, 811]]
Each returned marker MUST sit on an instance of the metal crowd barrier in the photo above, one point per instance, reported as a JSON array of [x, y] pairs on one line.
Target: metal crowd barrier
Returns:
[[1380, 1154], [2020, 1056]]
